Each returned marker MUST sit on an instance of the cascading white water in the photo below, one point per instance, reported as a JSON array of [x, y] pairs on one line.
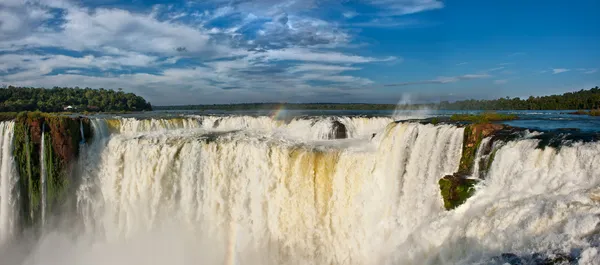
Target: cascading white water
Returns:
[[306, 129], [8, 183], [43, 176], [265, 201], [160, 193], [81, 132]]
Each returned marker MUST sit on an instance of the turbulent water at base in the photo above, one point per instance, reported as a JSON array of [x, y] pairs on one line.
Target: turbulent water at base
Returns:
[[250, 190], [8, 182]]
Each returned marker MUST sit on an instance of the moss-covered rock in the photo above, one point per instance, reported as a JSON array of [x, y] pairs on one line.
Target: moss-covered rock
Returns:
[[456, 190], [62, 137], [474, 134]]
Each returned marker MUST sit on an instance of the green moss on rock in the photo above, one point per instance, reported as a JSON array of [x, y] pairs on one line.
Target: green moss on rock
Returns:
[[62, 142], [456, 190]]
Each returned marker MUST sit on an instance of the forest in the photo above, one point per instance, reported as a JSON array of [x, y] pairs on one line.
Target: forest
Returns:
[[579, 100], [14, 99]]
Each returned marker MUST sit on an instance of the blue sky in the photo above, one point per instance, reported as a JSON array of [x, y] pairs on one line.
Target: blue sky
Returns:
[[230, 51]]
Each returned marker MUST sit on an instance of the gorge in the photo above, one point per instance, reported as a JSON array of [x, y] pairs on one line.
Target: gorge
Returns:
[[238, 189]]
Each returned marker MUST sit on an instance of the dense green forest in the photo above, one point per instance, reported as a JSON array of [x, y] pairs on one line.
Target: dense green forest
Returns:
[[583, 99], [13, 99], [87, 99]]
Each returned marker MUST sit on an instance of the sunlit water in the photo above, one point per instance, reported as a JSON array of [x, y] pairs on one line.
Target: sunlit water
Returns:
[[191, 188]]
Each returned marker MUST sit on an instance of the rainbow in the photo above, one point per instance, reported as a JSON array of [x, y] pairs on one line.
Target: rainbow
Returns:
[[278, 112]]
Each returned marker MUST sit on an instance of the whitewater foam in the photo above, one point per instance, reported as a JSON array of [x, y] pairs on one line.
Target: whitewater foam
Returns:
[[237, 192]]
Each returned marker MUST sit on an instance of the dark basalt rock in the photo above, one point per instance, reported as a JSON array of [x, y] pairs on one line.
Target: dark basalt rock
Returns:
[[338, 130], [507, 258], [535, 259]]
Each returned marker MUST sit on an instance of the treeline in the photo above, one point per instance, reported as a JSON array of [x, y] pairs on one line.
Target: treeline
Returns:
[[14, 99], [288, 106], [583, 99]]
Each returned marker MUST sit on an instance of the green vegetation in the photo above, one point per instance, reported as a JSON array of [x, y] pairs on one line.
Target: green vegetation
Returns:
[[583, 99], [61, 138], [594, 112], [483, 117], [456, 190], [14, 99]]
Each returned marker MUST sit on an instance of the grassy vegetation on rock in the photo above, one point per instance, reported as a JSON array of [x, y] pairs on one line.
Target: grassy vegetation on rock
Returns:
[[457, 188], [483, 117]]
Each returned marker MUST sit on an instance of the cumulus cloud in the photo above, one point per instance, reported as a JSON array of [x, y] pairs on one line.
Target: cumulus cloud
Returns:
[[248, 50]]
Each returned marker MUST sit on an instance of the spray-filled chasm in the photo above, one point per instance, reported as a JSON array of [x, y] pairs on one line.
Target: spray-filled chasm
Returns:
[[253, 190]]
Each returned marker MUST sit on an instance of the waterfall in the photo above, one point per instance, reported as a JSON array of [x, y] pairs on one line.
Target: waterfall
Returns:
[[248, 193], [81, 131], [253, 190], [301, 128], [8, 184], [43, 175]]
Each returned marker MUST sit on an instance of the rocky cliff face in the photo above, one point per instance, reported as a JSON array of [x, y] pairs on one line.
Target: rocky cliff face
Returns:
[[457, 188], [63, 135]]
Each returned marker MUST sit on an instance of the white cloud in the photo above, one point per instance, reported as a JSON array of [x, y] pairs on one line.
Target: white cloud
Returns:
[[405, 7], [559, 70], [587, 71], [387, 22], [496, 69], [463, 63], [175, 57], [349, 14], [302, 54], [500, 81], [442, 80], [321, 68]]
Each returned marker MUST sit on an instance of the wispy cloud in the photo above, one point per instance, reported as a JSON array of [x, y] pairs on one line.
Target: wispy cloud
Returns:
[[387, 22], [495, 69], [587, 70], [405, 7], [559, 70], [463, 63], [442, 80], [516, 54], [349, 14], [500, 81]]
